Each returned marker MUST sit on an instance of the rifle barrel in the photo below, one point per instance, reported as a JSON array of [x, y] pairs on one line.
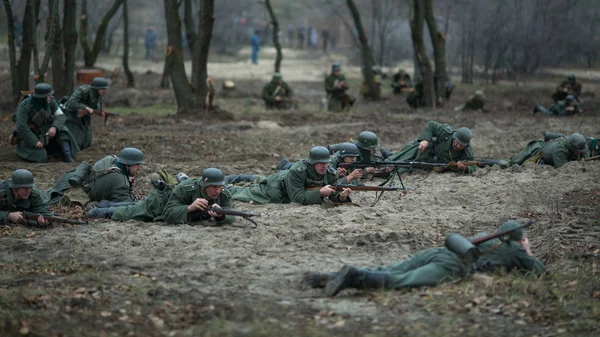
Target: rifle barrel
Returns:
[[481, 239]]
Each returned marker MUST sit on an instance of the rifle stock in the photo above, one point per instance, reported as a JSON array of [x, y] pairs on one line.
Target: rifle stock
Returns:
[[52, 218], [245, 215], [592, 158]]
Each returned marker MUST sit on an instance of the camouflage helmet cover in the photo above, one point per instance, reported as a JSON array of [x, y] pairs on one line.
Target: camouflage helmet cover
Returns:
[[509, 225], [318, 154], [212, 177], [42, 90], [463, 136], [21, 178]]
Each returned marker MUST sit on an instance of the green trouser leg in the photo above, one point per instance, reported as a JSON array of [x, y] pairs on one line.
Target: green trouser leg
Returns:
[[101, 212], [529, 151], [428, 275]]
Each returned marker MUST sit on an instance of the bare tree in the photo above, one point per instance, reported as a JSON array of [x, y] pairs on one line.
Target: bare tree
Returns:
[[90, 54], [276, 43], [190, 95], [367, 60], [63, 48], [424, 65], [128, 73], [40, 70], [439, 52]]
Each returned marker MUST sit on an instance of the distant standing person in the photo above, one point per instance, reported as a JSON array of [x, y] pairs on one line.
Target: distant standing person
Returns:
[[300, 37], [150, 43], [255, 43], [325, 37]]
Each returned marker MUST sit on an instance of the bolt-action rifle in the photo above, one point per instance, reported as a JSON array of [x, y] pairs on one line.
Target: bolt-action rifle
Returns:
[[52, 218], [246, 215]]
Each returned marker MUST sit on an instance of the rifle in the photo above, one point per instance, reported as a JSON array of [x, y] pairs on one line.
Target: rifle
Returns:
[[99, 112], [245, 215], [417, 164], [465, 248], [378, 189], [592, 158], [52, 218]]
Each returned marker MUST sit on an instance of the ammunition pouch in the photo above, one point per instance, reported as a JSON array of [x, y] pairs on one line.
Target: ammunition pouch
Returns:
[[462, 247]]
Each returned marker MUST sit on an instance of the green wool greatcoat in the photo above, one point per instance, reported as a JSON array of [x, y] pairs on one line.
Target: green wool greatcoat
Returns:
[[508, 255], [426, 268], [109, 180], [289, 186], [34, 117], [440, 148], [184, 194], [272, 89], [337, 98], [9, 204], [554, 152], [81, 127]]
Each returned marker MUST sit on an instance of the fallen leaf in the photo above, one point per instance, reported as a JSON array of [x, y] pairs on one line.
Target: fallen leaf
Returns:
[[30, 235]]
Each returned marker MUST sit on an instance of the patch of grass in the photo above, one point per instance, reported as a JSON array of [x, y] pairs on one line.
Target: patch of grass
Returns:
[[160, 109]]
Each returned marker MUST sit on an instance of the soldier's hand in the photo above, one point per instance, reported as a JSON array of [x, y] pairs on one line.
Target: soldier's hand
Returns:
[[39, 145], [342, 171], [213, 213], [341, 84], [199, 204], [345, 193], [42, 221], [526, 246], [461, 166], [16, 217], [277, 98], [89, 110], [326, 191], [423, 145], [52, 132], [565, 90], [570, 108], [356, 174]]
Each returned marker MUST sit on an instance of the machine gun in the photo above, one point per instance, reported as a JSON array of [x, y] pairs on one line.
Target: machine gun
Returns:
[[377, 189]]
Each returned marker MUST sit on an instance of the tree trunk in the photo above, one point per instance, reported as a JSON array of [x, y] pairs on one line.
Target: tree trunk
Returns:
[[276, 43], [12, 52], [90, 54], [128, 74], [29, 23], [58, 70], [40, 70], [438, 40], [366, 52], [69, 31], [416, 27]]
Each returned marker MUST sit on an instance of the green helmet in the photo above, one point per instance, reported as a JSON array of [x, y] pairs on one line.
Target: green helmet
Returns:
[[318, 154], [336, 66], [463, 136], [21, 178], [576, 142], [366, 140], [212, 177], [511, 224], [131, 156], [570, 98], [348, 150], [99, 83], [42, 90], [479, 94], [276, 77], [571, 78]]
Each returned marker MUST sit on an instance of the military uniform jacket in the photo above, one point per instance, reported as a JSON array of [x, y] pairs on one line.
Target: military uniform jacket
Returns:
[[509, 255], [474, 103], [301, 176], [109, 181], [272, 89], [556, 153], [331, 86], [574, 89], [83, 97], [560, 109], [8, 204], [440, 148], [336, 158], [33, 122], [184, 195]]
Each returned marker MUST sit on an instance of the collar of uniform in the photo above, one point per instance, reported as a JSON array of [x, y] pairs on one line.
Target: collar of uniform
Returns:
[[123, 168]]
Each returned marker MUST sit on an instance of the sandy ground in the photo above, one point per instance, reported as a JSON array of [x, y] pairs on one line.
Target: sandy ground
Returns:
[[150, 279]]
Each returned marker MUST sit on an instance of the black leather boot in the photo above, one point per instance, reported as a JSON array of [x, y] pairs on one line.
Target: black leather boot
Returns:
[[319, 280], [66, 152], [284, 164], [351, 277], [101, 212]]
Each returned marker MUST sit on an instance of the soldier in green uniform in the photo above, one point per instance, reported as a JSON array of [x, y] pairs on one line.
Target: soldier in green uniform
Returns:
[[291, 185], [564, 107], [568, 87], [434, 266], [335, 87], [194, 200], [346, 153], [41, 128], [19, 195], [277, 93], [475, 102], [593, 143], [555, 152], [80, 108], [438, 143], [109, 180]]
